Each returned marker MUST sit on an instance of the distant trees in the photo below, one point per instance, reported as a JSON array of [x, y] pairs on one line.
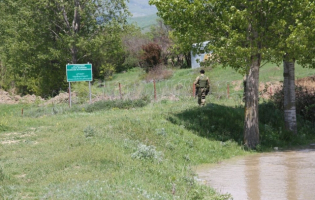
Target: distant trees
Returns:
[[157, 46], [39, 37]]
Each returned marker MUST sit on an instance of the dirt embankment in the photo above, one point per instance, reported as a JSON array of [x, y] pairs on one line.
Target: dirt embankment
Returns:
[[7, 98], [268, 89]]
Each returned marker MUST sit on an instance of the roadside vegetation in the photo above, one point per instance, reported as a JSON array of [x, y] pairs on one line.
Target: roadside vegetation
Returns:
[[133, 148]]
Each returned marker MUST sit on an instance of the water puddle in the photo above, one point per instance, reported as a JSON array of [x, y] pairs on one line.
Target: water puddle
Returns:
[[288, 175]]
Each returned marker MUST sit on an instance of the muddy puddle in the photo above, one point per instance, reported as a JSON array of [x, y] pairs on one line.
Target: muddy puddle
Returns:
[[288, 175]]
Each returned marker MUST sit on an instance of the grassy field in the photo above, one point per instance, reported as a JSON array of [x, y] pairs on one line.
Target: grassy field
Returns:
[[134, 148]]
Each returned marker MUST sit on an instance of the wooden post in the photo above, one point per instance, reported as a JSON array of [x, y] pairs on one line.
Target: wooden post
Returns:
[[154, 90], [120, 91], [194, 90], [22, 111]]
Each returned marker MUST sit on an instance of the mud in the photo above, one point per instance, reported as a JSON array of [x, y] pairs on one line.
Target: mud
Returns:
[[288, 175]]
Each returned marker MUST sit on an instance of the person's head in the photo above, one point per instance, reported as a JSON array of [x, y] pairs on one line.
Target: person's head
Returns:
[[202, 71]]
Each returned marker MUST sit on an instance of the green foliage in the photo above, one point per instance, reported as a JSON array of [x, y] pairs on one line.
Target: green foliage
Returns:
[[35, 50], [147, 152], [89, 131]]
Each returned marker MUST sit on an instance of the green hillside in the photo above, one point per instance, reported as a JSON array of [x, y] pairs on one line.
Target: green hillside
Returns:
[[140, 8], [144, 22], [131, 146]]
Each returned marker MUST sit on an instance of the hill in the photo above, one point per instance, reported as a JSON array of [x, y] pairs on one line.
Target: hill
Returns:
[[144, 22], [144, 15], [131, 145]]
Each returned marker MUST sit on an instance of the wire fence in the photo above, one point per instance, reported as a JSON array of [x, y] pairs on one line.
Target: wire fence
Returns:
[[156, 90]]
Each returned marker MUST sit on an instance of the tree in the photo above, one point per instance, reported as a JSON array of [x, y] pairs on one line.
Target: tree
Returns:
[[239, 38], [51, 33], [160, 34], [151, 55], [295, 21], [133, 40]]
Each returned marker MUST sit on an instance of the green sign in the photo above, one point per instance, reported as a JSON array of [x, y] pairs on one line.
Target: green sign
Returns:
[[79, 72]]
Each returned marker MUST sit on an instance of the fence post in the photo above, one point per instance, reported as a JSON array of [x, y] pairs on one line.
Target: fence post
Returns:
[[194, 90], [154, 90], [120, 91]]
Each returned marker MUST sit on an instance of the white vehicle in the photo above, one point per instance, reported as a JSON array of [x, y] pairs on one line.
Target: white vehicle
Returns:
[[200, 55]]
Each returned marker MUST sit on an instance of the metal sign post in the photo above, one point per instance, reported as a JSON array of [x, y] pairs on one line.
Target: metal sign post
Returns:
[[70, 94], [79, 72], [90, 91]]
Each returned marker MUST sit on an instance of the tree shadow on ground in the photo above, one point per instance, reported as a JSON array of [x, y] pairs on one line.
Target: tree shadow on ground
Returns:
[[213, 121], [222, 123]]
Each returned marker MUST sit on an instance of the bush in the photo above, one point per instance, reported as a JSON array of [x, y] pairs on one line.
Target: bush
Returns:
[[304, 102], [151, 55], [147, 152]]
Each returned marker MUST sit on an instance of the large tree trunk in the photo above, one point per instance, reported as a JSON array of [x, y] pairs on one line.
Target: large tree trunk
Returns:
[[289, 96], [251, 125]]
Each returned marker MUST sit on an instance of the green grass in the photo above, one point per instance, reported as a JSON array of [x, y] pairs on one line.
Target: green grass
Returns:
[[271, 72], [129, 148], [127, 154]]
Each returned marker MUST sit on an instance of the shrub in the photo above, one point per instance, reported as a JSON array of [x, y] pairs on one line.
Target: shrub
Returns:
[[304, 101], [89, 132], [151, 55], [147, 152]]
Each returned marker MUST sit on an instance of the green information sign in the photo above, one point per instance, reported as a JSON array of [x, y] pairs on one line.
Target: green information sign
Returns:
[[79, 72]]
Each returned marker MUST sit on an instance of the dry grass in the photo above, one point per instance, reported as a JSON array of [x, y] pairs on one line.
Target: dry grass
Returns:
[[159, 73]]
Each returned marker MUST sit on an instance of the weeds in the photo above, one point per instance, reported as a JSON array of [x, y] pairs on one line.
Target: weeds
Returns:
[[145, 152], [89, 131]]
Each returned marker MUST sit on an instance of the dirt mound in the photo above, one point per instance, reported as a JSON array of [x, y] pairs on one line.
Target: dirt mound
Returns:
[[60, 98], [7, 98], [307, 82], [268, 89]]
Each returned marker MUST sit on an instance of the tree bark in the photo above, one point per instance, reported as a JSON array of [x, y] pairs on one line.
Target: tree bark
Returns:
[[251, 125], [289, 96]]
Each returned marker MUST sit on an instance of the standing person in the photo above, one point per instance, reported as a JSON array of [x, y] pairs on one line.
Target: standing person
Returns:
[[202, 85]]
